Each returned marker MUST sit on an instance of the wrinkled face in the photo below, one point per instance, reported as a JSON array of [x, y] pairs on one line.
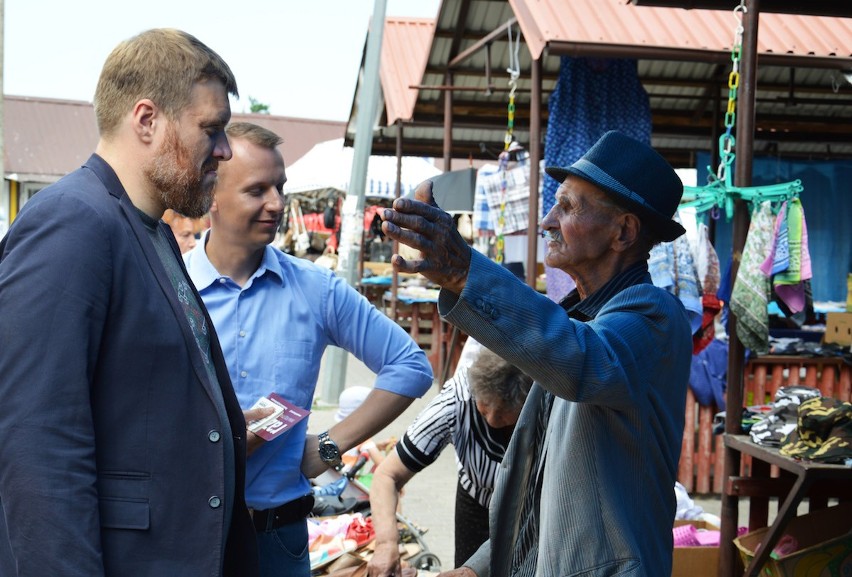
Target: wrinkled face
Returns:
[[496, 413], [184, 231], [579, 227], [184, 167], [247, 203]]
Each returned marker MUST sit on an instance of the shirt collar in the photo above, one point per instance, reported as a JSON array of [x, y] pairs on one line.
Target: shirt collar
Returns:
[[588, 308], [203, 273]]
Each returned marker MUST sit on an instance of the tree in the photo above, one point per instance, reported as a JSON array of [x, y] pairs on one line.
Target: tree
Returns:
[[258, 107]]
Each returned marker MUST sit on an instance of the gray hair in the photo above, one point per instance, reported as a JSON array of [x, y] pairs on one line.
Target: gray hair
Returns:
[[491, 377]]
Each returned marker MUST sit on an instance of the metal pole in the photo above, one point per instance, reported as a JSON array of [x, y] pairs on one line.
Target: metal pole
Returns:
[[352, 221], [448, 124], [535, 173], [728, 561]]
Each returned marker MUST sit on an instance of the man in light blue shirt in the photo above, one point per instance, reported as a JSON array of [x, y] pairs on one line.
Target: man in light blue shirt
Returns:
[[275, 315]]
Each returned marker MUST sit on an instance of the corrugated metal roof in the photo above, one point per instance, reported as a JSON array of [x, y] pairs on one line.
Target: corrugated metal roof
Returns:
[[405, 48], [46, 139], [803, 104], [615, 23]]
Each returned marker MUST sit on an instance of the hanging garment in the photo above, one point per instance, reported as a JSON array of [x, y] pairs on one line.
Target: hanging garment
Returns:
[[789, 284], [516, 180], [591, 96], [672, 268], [709, 278], [750, 295], [708, 375]]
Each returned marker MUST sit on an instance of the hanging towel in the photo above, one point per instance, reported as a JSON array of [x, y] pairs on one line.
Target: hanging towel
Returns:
[[779, 255], [781, 258], [750, 295], [789, 285], [778, 259]]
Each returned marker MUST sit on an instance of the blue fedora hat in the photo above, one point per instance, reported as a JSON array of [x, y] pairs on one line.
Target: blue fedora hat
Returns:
[[635, 174]]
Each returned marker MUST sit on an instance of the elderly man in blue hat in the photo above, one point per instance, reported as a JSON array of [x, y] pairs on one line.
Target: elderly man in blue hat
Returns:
[[586, 483]]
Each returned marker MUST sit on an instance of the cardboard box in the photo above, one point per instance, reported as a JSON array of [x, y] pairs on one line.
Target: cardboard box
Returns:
[[838, 328], [824, 545], [695, 561]]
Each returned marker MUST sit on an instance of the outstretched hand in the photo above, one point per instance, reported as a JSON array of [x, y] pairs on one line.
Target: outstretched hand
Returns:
[[421, 224]]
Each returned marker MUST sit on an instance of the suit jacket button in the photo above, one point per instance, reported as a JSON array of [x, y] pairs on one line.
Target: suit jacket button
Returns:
[[214, 502], [213, 436]]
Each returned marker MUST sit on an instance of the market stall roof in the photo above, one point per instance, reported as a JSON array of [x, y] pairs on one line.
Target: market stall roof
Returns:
[[325, 171], [803, 97]]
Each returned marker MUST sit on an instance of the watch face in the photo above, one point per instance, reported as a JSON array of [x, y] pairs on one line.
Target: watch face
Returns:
[[328, 451]]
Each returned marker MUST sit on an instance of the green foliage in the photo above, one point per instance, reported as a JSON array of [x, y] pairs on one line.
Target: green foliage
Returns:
[[258, 107]]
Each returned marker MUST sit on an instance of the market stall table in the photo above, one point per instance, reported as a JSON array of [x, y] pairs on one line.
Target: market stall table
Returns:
[[814, 480]]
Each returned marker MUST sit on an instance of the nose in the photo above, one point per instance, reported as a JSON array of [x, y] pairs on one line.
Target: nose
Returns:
[[549, 221], [222, 148], [274, 200]]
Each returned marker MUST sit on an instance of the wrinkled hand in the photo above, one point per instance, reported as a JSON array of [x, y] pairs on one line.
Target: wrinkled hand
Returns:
[[385, 561], [422, 225], [252, 440]]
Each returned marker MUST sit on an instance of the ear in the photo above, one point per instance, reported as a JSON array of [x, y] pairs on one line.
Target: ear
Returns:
[[628, 226], [146, 120]]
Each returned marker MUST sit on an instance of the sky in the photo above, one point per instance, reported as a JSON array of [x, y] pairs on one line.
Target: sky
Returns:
[[299, 57]]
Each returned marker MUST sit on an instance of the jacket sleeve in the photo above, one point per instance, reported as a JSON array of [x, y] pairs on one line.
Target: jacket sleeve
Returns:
[[591, 362], [480, 562], [54, 293]]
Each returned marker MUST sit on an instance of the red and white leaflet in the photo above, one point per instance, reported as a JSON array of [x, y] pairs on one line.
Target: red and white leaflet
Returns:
[[285, 416]]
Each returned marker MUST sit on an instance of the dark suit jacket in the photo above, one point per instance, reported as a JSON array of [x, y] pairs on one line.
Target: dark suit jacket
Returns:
[[111, 460]]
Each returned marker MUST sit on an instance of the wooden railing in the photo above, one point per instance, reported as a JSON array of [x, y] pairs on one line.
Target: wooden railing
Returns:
[[700, 467]]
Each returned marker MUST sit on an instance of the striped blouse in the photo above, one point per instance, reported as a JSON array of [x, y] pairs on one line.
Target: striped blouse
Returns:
[[451, 417]]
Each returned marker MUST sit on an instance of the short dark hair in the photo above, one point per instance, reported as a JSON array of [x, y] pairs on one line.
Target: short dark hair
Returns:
[[492, 377]]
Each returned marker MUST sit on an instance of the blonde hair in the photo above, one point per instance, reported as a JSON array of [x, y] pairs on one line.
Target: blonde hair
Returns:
[[162, 64], [253, 133]]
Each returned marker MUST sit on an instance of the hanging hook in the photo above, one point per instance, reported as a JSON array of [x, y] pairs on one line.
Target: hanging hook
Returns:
[[514, 68]]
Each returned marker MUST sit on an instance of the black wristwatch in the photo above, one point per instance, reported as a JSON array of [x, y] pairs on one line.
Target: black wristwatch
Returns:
[[329, 452]]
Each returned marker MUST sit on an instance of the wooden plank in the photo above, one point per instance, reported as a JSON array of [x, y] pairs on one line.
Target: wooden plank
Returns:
[[685, 470], [705, 445]]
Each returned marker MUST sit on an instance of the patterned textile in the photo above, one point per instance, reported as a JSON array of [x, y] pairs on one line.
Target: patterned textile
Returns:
[[789, 260], [517, 181], [482, 221], [672, 268], [790, 284], [707, 266], [750, 296], [591, 97], [707, 263], [771, 430], [780, 255], [823, 432]]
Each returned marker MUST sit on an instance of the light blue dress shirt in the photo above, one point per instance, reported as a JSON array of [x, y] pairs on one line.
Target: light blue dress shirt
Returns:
[[274, 331]]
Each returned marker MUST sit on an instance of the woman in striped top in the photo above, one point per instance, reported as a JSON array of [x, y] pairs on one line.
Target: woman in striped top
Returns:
[[476, 412]]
